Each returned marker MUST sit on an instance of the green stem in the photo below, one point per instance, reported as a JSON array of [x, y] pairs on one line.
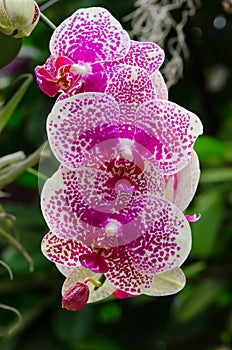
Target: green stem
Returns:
[[37, 174], [7, 267], [14, 243], [101, 279], [47, 5], [13, 327], [47, 21]]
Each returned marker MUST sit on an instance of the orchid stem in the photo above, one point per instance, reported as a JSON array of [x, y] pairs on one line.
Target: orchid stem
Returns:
[[47, 21], [47, 5]]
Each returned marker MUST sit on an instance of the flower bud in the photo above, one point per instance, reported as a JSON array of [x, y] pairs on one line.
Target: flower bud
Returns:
[[76, 297], [18, 17]]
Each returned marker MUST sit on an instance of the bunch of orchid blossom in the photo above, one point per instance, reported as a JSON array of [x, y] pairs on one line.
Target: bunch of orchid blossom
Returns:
[[127, 166]]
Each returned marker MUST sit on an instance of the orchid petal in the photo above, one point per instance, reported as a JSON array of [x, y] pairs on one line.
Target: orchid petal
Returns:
[[90, 35], [160, 86], [167, 283], [146, 55], [57, 212], [65, 270], [131, 85], [70, 125], [101, 75], [80, 204], [193, 218], [46, 81], [62, 251], [175, 130], [123, 274], [80, 274], [186, 182], [166, 244]]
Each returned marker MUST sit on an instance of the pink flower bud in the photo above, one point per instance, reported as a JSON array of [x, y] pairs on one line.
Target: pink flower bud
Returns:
[[76, 297]]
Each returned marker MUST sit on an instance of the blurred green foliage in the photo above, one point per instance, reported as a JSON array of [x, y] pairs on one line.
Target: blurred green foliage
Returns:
[[200, 316]]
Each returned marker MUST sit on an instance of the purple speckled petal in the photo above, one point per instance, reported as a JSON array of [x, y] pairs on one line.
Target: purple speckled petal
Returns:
[[123, 274], [175, 130], [160, 86], [98, 80], [131, 85], [167, 283], [166, 245], [80, 204], [80, 274], [70, 124], [146, 55], [62, 251], [90, 35], [60, 217]]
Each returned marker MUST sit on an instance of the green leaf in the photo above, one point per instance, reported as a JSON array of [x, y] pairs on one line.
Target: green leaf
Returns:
[[210, 205], [192, 302], [9, 108], [193, 269], [209, 149], [74, 326], [215, 175], [9, 49]]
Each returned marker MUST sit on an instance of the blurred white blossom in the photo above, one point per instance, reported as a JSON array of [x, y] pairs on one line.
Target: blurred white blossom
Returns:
[[18, 17]]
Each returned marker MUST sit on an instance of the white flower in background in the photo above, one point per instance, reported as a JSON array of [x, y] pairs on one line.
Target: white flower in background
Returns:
[[18, 17]]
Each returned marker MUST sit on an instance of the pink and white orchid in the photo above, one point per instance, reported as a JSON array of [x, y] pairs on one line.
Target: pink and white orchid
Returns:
[[87, 48]]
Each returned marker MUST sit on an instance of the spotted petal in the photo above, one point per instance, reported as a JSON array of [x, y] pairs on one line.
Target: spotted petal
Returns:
[[167, 243], [123, 274], [146, 55], [62, 251], [90, 35], [175, 130], [167, 283], [77, 123], [131, 85], [160, 86], [80, 274], [80, 204]]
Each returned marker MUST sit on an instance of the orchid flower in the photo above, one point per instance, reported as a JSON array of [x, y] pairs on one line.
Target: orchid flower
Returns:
[[127, 121], [86, 50]]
